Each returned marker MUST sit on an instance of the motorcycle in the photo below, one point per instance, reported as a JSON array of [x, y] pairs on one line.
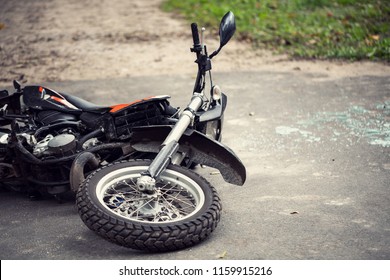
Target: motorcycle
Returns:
[[131, 165]]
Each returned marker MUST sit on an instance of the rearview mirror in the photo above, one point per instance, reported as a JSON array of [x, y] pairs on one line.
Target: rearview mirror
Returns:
[[227, 28]]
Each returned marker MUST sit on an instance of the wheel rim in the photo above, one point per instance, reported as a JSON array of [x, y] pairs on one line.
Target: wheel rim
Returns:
[[177, 196]]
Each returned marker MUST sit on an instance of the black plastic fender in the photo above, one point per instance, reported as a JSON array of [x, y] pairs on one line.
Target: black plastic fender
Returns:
[[200, 148]]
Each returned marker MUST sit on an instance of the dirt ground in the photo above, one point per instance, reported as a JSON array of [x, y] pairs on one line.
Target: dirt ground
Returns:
[[55, 40]]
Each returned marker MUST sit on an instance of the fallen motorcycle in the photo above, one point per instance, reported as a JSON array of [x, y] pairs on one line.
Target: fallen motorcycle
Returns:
[[130, 165]]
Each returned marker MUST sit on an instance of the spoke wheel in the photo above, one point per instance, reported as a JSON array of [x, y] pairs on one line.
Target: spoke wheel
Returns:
[[177, 197], [183, 210]]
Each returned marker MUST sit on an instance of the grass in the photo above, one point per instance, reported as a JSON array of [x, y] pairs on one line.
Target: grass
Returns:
[[346, 29]]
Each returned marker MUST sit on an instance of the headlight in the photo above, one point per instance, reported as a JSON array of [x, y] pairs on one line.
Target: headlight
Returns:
[[217, 93]]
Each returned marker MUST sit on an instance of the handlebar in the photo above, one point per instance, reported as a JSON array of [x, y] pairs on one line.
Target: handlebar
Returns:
[[195, 34], [202, 59], [195, 37]]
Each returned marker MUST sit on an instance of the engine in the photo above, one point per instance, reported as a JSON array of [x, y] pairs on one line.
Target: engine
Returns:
[[60, 145], [53, 145], [50, 147]]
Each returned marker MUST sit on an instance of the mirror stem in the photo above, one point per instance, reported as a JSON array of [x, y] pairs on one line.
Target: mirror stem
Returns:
[[215, 53]]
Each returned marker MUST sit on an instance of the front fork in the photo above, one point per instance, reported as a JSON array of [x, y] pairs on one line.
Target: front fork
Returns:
[[168, 152]]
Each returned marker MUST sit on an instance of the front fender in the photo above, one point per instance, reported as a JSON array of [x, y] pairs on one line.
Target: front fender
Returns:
[[200, 148]]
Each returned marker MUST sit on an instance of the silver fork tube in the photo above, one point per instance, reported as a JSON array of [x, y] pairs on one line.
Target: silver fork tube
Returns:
[[170, 146], [185, 120]]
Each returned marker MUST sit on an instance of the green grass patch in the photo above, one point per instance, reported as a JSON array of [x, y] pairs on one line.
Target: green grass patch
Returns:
[[347, 29]]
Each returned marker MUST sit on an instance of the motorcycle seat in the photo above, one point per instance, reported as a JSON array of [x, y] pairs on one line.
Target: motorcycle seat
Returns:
[[87, 106], [84, 104]]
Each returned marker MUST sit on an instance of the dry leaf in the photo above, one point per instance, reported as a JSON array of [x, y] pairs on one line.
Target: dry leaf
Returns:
[[222, 255]]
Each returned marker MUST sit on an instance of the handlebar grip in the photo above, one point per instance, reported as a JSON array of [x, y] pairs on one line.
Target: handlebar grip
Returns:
[[195, 34]]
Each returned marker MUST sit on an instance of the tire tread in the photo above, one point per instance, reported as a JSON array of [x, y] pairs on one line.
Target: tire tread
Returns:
[[153, 238]]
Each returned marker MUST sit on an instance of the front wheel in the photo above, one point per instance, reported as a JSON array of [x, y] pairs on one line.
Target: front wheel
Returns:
[[183, 210]]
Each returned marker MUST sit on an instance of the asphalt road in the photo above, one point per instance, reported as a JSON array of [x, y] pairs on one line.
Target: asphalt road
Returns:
[[318, 167]]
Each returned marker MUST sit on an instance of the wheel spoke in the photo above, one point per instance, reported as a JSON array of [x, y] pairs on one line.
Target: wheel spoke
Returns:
[[180, 200], [176, 196]]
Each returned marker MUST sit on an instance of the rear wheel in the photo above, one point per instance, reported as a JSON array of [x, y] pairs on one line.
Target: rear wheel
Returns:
[[182, 212]]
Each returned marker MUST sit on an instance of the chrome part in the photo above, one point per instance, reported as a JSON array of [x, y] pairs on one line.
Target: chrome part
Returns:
[[41, 146], [162, 160], [185, 119], [170, 144], [176, 196], [146, 183], [90, 143], [4, 139], [178, 158], [31, 140]]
